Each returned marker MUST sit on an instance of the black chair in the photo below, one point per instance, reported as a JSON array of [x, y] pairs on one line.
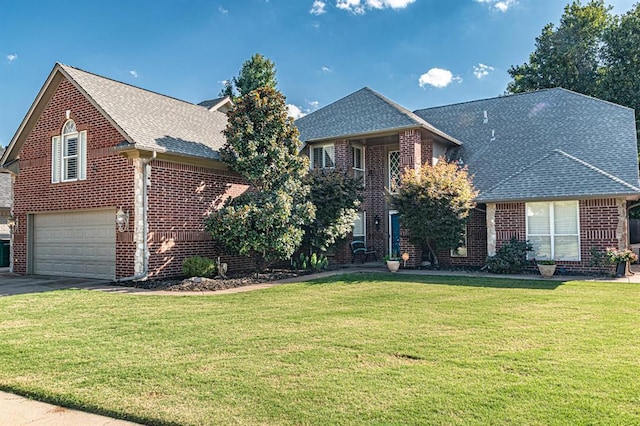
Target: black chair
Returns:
[[358, 247]]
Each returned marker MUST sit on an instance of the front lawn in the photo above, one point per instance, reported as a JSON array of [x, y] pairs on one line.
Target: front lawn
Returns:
[[360, 349]]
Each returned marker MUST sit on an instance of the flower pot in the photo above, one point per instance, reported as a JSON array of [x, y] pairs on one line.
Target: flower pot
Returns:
[[622, 269], [547, 271], [393, 265]]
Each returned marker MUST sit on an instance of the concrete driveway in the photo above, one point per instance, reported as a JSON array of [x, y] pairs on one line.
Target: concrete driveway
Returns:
[[11, 284]]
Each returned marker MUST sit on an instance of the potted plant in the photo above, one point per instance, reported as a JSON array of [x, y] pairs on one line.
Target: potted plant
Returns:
[[546, 267], [621, 258], [393, 263]]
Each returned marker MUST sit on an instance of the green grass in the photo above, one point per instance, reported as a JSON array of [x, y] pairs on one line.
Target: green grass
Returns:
[[360, 349]]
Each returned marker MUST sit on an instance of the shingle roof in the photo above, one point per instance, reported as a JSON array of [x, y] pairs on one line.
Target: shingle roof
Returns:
[[360, 113], [545, 144], [152, 121]]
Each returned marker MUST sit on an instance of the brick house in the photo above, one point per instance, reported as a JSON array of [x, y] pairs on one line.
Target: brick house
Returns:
[[554, 167], [5, 205], [93, 150]]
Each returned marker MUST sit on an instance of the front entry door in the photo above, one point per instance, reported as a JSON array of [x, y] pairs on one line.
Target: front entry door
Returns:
[[394, 233]]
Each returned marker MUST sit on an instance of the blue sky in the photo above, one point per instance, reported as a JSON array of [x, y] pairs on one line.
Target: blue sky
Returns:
[[419, 53]]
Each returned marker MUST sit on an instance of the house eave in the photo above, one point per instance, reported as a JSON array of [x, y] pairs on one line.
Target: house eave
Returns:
[[631, 196], [385, 132]]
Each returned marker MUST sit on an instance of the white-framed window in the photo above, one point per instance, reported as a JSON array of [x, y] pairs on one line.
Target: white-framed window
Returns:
[[69, 154], [553, 228], [462, 250], [394, 171], [360, 225], [322, 157], [358, 162]]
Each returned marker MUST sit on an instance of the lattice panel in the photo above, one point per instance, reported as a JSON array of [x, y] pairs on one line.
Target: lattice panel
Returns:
[[394, 171]]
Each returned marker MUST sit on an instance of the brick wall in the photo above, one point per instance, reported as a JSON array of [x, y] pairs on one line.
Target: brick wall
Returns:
[[109, 180], [476, 243], [180, 198], [598, 228]]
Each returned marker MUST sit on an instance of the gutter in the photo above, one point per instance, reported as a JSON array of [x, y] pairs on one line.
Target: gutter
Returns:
[[145, 225]]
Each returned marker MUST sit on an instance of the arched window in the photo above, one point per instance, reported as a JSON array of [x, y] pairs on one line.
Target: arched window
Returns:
[[69, 154]]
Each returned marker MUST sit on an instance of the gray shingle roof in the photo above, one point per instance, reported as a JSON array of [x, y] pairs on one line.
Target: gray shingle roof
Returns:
[[152, 121], [545, 144], [360, 113]]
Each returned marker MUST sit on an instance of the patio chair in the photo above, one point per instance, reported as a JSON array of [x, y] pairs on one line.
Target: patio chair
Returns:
[[358, 247]]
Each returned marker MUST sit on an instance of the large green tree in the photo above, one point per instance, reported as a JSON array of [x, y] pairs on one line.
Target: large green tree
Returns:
[[254, 73], [262, 145], [337, 198], [434, 204], [567, 56]]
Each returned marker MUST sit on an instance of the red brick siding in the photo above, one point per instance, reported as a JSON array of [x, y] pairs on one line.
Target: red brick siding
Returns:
[[180, 198], [109, 180], [598, 225], [476, 244]]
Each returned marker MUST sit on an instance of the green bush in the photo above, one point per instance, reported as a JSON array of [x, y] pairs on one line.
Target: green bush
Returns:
[[197, 266], [511, 258], [315, 263]]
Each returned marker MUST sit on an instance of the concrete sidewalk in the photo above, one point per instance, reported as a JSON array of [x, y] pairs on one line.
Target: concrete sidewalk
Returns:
[[19, 411]]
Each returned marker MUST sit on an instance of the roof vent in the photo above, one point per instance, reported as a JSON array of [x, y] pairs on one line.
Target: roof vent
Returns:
[[493, 135], [486, 118]]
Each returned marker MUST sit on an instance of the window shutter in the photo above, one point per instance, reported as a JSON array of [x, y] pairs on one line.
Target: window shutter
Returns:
[[82, 155], [316, 160], [56, 159]]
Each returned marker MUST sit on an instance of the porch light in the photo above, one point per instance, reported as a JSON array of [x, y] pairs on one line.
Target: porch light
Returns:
[[376, 222], [122, 220], [12, 223]]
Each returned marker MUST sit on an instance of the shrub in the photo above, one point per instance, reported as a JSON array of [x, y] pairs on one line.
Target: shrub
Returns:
[[511, 258], [315, 263], [197, 266]]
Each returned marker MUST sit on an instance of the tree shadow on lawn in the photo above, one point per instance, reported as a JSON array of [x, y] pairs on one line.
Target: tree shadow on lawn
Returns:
[[460, 280]]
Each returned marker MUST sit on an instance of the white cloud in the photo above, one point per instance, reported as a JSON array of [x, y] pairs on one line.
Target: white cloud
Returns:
[[314, 104], [295, 111], [501, 5], [326, 70], [223, 10], [438, 77], [482, 70], [361, 6], [318, 8], [134, 73], [12, 57]]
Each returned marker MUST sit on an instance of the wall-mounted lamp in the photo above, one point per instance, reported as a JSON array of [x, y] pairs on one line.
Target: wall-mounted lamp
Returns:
[[122, 220], [12, 223], [376, 222]]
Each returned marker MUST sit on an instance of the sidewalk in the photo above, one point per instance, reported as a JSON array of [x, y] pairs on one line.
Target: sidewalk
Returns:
[[19, 411]]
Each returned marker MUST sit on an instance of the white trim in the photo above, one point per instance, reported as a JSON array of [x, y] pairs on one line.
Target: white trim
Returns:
[[359, 170], [364, 226], [324, 147], [552, 235]]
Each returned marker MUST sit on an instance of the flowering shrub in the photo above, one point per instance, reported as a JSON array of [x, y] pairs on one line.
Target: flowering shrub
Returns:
[[617, 256]]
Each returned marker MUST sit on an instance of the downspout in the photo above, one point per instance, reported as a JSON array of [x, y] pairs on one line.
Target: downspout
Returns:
[[145, 225]]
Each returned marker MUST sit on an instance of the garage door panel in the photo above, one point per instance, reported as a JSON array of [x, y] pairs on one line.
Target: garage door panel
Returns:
[[75, 244]]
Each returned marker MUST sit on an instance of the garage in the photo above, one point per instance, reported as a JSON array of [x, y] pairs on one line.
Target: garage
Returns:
[[74, 244]]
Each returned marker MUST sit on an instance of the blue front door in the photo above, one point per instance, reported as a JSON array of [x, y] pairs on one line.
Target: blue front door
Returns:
[[394, 234]]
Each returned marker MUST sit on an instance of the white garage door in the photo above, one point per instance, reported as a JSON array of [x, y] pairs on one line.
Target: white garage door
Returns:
[[75, 244]]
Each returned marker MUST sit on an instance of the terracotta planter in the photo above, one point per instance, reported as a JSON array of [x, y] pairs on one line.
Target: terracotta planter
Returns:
[[393, 265], [547, 271]]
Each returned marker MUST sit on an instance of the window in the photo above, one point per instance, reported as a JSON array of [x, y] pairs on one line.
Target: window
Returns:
[[69, 154], [394, 171], [462, 250], [360, 225], [553, 230], [358, 163], [322, 157]]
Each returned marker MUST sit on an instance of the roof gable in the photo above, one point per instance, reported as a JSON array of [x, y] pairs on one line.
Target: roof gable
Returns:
[[361, 113], [505, 135], [146, 120]]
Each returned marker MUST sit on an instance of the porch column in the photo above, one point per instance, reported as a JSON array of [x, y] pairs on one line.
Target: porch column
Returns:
[[622, 231], [410, 149], [491, 229]]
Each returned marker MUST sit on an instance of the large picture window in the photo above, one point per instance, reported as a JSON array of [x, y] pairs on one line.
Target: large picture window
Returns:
[[360, 225], [322, 157], [553, 230], [69, 154]]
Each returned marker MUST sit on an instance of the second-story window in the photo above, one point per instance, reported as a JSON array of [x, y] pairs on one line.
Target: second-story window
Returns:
[[322, 157], [358, 163], [394, 171], [69, 154]]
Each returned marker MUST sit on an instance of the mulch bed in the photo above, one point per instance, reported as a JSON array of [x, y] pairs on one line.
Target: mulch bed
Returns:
[[213, 284]]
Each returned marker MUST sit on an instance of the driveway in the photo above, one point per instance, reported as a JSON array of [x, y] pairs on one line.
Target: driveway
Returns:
[[11, 284]]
